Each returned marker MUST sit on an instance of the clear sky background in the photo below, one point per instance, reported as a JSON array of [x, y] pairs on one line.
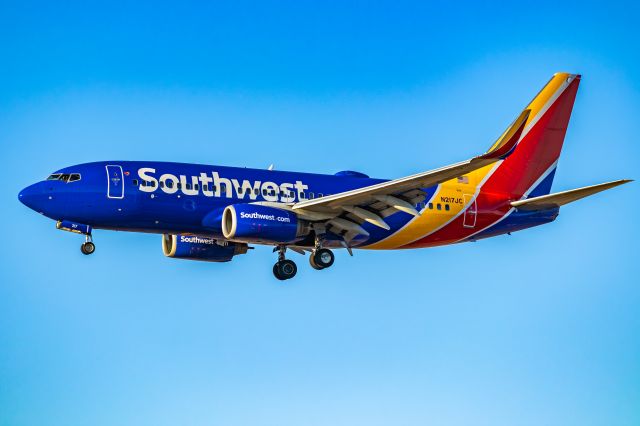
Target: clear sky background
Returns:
[[541, 327]]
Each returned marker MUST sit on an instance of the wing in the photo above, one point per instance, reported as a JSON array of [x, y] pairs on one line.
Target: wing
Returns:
[[375, 202]]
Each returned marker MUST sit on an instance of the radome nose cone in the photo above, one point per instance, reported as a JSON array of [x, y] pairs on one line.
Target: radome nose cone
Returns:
[[30, 196]]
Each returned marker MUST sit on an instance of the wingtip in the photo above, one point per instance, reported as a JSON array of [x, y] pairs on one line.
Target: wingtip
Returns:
[[568, 74], [507, 144]]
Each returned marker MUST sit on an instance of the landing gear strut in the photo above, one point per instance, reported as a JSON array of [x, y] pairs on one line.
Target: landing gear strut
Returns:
[[284, 269], [88, 247]]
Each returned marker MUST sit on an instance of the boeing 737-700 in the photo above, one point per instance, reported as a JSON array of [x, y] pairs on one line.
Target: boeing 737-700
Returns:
[[213, 213]]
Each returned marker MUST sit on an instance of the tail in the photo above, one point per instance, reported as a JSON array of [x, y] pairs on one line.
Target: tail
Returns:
[[530, 168]]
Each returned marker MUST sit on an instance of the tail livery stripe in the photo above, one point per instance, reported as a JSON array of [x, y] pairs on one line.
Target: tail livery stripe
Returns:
[[538, 149]]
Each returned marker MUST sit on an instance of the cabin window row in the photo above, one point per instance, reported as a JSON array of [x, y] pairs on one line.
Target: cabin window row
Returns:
[[438, 206], [223, 188]]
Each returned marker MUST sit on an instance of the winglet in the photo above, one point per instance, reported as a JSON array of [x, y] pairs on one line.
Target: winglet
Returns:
[[507, 143], [561, 198]]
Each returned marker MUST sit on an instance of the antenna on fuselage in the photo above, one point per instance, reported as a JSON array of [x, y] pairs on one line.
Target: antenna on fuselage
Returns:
[[270, 167]]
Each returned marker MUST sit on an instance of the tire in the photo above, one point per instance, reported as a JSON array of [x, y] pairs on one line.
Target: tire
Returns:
[[88, 248], [323, 258], [286, 269], [276, 273], [313, 264]]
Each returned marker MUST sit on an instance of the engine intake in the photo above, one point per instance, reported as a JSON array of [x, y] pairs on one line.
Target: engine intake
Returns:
[[205, 249], [261, 224]]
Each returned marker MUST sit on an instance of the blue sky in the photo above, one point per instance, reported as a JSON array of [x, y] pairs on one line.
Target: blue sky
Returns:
[[541, 327]]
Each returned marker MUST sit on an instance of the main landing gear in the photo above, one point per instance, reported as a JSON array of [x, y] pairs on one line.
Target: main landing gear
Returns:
[[88, 247], [284, 269], [321, 258]]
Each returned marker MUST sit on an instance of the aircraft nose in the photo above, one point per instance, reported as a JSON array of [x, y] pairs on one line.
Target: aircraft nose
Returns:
[[32, 197]]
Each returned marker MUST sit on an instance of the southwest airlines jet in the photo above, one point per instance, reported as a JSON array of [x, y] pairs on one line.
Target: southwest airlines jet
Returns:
[[213, 213]]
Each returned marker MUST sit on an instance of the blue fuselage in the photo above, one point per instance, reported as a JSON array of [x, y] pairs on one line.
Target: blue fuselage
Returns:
[[164, 197], [177, 198]]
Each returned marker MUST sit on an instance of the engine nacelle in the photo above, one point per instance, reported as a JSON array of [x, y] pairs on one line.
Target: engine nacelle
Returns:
[[261, 224], [192, 247]]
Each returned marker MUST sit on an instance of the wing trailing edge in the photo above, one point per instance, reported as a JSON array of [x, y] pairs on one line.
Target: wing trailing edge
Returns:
[[565, 197], [498, 151]]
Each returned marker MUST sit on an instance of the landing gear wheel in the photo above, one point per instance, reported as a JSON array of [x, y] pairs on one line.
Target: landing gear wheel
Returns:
[[322, 258], [88, 248], [285, 269]]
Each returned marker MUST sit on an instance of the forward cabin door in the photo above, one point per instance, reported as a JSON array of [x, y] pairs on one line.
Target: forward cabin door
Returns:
[[115, 182], [471, 213]]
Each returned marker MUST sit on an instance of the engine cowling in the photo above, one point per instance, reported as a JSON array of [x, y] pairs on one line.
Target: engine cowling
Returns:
[[262, 224], [205, 249]]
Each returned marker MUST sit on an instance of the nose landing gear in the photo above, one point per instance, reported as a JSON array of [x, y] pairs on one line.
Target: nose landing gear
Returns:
[[88, 247], [284, 269]]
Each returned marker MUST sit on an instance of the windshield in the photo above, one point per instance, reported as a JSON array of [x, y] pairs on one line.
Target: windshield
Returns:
[[65, 177]]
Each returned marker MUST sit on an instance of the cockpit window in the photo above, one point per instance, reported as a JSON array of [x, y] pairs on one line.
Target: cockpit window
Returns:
[[65, 177]]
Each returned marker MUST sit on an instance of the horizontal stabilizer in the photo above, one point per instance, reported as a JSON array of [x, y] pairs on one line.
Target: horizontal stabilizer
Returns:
[[561, 198]]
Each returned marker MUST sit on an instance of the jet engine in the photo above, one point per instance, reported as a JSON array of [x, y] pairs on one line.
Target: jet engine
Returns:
[[262, 224], [192, 247]]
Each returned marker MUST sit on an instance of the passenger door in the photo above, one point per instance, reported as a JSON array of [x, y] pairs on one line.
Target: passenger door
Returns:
[[471, 212], [115, 182]]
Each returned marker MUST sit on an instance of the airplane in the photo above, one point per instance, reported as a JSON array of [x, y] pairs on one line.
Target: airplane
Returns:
[[213, 213]]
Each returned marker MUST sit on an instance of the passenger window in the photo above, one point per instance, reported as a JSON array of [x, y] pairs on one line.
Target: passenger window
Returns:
[[161, 184], [179, 185], [257, 191], [439, 206], [431, 206], [446, 207], [196, 187], [188, 186], [319, 195], [265, 192], [135, 182], [311, 195], [169, 184], [303, 195]]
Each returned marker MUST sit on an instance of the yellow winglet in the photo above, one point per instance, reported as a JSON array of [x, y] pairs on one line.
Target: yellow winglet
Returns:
[[507, 143]]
